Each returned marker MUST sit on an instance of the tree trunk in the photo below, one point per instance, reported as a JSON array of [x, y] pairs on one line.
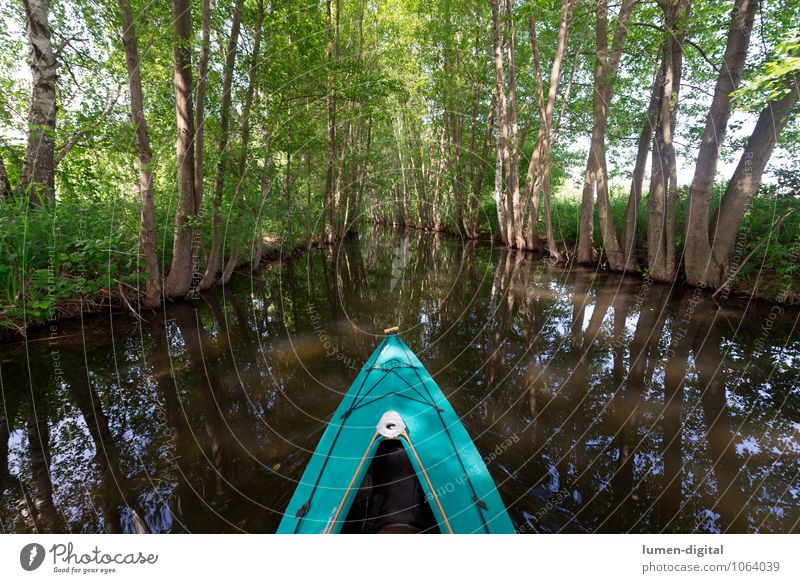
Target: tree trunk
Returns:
[[267, 174], [362, 173], [501, 121], [635, 196], [180, 273], [233, 256], [214, 265], [746, 179], [248, 105], [308, 196], [697, 259], [287, 190], [200, 104], [480, 171], [453, 121], [596, 177], [498, 186], [231, 263], [539, 165], [341, 195], [474, 162], [585, 252], [532, 191], [611, 246], [5, 185], [248, 101], [662, 198], [401, 199], [37, 178], [552, 246], [513, 170], [330, 178], [199, 138], [147, 230]]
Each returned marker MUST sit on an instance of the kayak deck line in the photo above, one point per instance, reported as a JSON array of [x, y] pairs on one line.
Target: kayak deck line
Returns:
[[357, 481]]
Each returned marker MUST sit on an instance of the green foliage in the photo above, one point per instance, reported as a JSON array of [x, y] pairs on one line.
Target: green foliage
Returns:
[[410, 77], [788, 179], [772, 83], [775, 260], [70, 251], [773, 269]]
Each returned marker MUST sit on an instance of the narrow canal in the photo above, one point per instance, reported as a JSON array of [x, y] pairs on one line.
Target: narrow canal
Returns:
[[599, 403]]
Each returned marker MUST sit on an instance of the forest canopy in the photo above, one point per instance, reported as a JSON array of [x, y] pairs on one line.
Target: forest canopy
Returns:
[[149, 150]]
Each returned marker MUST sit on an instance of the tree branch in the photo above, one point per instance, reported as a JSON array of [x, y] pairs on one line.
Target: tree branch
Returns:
[[65, 41], [64, 150], [749, 255], [689, 42]]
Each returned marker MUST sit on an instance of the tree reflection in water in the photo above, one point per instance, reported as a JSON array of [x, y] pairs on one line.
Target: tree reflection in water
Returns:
[[601, 403]]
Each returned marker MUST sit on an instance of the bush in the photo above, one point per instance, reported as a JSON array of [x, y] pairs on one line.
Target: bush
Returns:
[[71, 250]]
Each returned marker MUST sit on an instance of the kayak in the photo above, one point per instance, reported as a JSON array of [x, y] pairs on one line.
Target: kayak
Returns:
[[395, 458]]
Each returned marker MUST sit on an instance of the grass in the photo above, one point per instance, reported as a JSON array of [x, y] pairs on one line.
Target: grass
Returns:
[[82, 253], [88, 247], [773, 270]]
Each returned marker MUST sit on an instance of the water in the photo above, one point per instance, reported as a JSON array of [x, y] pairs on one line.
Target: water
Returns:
[[600, 403]]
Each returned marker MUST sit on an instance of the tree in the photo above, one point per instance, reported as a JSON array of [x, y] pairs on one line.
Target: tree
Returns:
[[539, 168], [37, 178], [503, 121], [744, 183], [331, 200], [200, 126], [710, 239], [512, 170], [642, 151], [697, 260], [663, 197], [180, 274], [596, 176], [214, 265], [147, 229]]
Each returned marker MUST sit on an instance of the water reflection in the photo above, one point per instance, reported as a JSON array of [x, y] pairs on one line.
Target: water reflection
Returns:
[[600, 403]]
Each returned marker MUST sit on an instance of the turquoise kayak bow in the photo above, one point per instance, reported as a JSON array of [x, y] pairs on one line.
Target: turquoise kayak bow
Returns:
[[351, 483]]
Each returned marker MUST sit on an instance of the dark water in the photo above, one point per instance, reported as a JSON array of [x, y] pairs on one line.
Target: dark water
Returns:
[[600, 403]]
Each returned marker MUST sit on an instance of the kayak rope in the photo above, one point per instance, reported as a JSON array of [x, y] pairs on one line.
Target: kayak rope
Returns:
[[393, 394], [384, 367], [359, 401], [480, 504], [358, 398], [332, 523], [428, 480]]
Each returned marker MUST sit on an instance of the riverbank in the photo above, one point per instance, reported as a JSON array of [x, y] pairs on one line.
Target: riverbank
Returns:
[[764, 261], [123, 297]]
